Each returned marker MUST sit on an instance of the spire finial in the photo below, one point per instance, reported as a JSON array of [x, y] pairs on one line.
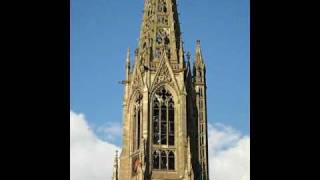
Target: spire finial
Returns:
[[199, 59], [128, 55], [128, 64], [181, 53], [198, 42], [198, 47]]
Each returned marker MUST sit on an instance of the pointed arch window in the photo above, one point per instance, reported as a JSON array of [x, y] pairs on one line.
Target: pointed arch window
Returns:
[[171, 122], [171, 160], [137, 122], [156, 160], [163, 160], [163, 118], [163, 130]]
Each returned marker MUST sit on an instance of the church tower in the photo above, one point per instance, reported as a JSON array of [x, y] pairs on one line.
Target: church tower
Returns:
[[164, 104]]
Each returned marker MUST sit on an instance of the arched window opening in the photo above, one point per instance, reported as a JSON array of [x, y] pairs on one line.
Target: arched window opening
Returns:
[[171, 160], [137, 122], [171, 122], [163, 160], [134, 128], [138, 129], [163, 117], [156, 158], [163, 130], [155, 119], [163, 124]]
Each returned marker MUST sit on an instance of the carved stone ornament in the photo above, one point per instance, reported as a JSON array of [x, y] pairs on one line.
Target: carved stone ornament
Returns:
[[137, 80]]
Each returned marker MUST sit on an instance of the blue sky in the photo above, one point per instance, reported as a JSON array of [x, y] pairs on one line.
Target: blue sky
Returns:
[[102, 30]]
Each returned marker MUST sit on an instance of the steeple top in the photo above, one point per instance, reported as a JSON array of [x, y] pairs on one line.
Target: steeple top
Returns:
[[199, 59], [128, 56], [160, 31]]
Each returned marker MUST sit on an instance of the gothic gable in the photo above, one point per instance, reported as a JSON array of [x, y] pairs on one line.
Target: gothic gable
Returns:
[[137, 79], [165, 75]]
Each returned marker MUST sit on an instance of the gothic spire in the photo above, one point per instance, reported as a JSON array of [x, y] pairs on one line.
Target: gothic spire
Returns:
[[160, 31], [199, 66], [128, 64], [181, 54], [199, 59]]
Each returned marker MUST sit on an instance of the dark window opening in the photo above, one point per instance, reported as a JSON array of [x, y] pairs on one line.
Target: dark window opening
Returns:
[[163, 118], [171, 160], [163, 160], [138, 129], [163, 132], [137, 122], [156, 160], [156, 130], [163, 124]]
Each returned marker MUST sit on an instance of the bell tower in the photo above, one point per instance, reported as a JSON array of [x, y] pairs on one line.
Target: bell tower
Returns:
[[161, 106]]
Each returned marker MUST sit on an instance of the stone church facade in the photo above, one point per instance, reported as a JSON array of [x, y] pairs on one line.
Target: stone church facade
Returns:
[[164, 106]]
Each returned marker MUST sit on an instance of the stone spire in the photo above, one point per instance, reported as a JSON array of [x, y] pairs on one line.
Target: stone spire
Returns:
[[128, 64], [199, 59], [199, 66], [115, 167], [181, 54], [160, 31]]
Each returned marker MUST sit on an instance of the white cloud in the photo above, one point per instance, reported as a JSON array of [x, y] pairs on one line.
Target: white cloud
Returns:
[[90, 157], [110, 131], [229, 153]]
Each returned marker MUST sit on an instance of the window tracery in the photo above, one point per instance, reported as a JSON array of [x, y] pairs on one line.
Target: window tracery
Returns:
[[163, 160], [162, 6], [163, 130]]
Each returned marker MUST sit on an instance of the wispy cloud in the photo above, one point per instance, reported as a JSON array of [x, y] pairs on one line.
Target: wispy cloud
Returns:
[[110, 131]]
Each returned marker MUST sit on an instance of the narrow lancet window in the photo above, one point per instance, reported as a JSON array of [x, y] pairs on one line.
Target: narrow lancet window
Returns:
[[171, 123], [155, 119], [163, 160], [163, 124], [137, 122], [156, 158], [171, 160]]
